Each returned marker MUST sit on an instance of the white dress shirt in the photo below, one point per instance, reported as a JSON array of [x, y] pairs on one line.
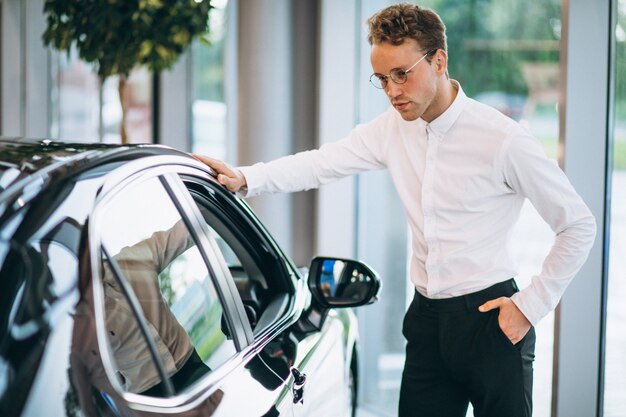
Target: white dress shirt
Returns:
[[462, 179]]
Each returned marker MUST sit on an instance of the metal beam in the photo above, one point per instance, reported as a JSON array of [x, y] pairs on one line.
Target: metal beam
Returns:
[[584, 109]]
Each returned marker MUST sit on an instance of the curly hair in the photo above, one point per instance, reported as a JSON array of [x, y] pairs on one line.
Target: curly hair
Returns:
[[396, 23]]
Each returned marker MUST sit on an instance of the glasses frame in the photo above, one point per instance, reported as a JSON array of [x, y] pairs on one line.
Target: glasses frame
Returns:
[[383, 79]]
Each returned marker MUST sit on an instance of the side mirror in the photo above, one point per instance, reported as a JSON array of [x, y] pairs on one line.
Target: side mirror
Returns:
[[336, 282]]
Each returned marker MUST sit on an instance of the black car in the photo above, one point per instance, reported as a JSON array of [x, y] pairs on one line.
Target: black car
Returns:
[[133, 284]]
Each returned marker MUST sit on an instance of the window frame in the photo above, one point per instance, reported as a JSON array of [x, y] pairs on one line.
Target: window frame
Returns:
[[284, 296], [233, 306], [117, 182]]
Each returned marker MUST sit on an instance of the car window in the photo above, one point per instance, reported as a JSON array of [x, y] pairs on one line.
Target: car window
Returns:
[[253, 292], [260, 274], [146, 241]]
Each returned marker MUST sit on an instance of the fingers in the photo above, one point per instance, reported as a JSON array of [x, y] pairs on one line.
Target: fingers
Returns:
[[515, 339], [232, 184], [203, 159], [491, 304], [511, 320], [228, 176], [215, 164], [516, 332]]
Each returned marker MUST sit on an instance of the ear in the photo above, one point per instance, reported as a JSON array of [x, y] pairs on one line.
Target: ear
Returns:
[[440, 62]]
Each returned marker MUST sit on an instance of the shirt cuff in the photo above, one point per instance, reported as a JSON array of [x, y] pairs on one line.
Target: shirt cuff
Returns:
[[255, 177], [530, 305]]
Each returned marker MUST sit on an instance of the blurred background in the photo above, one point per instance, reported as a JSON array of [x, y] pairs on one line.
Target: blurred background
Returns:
[[281, 76]]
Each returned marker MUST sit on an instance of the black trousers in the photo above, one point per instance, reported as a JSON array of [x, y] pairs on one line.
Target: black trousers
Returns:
[[456, 355]]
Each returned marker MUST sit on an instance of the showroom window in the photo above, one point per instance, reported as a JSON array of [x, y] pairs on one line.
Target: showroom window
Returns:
[[84, 111], [208, 102], [74, 99], [505, 54], [615, 359]]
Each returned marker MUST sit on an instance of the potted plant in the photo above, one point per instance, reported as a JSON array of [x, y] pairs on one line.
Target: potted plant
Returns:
[[119, 35]]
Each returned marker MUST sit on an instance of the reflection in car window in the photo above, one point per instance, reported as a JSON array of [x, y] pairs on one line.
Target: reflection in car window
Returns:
[[244, 271], [151, 246]]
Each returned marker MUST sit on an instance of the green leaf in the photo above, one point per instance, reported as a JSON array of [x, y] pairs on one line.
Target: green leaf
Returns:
[[181, 38], [118, 35]]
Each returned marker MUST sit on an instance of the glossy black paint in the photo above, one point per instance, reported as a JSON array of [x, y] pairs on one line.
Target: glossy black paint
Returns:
[[48, 347]]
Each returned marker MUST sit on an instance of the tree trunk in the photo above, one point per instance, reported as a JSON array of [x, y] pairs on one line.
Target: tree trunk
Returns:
[[121, 87]]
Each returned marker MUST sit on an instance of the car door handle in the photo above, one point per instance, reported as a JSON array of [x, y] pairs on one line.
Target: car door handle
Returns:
[[299, 380]]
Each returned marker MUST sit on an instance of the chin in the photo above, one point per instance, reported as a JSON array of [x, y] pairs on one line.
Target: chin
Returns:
[[409, 117]]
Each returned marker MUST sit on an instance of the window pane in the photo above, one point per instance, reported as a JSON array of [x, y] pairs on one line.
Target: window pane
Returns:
[[160, 260], [76, 107], [208, 104], [504, 53], [138, 99], [242, 267], [74, 99], [615, 361]]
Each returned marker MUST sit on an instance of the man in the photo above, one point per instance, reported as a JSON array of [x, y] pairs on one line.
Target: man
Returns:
[[462, 171]]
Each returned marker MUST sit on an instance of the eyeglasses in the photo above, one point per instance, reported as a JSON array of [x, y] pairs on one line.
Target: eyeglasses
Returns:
[[397, 75]]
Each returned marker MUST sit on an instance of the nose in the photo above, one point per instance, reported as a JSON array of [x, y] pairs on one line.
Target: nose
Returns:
[[393, 90]]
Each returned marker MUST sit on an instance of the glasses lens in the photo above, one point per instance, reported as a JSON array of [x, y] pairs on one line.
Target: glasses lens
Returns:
[[398, 75], [378, 81]]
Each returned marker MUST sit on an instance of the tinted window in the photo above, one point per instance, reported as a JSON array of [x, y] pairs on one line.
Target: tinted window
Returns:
[[152, 248], [259, 273]]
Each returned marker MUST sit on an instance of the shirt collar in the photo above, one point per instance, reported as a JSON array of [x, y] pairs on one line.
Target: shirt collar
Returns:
[[444, 122]]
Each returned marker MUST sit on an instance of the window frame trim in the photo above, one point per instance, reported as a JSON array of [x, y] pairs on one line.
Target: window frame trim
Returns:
[[300, 297], [296, 291], [200, 232], [118, 180]]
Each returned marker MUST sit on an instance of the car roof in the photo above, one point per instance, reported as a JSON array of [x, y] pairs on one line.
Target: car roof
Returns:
[[24, 158], [24, 161], [29, 156]]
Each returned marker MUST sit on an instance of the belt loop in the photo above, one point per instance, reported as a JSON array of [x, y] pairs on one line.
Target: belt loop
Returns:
[[468, 305], [417, 299]]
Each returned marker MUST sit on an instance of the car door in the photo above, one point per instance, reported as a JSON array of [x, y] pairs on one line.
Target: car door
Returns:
[[322, 358], [265, 281], [269, 277], [173, 331]]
